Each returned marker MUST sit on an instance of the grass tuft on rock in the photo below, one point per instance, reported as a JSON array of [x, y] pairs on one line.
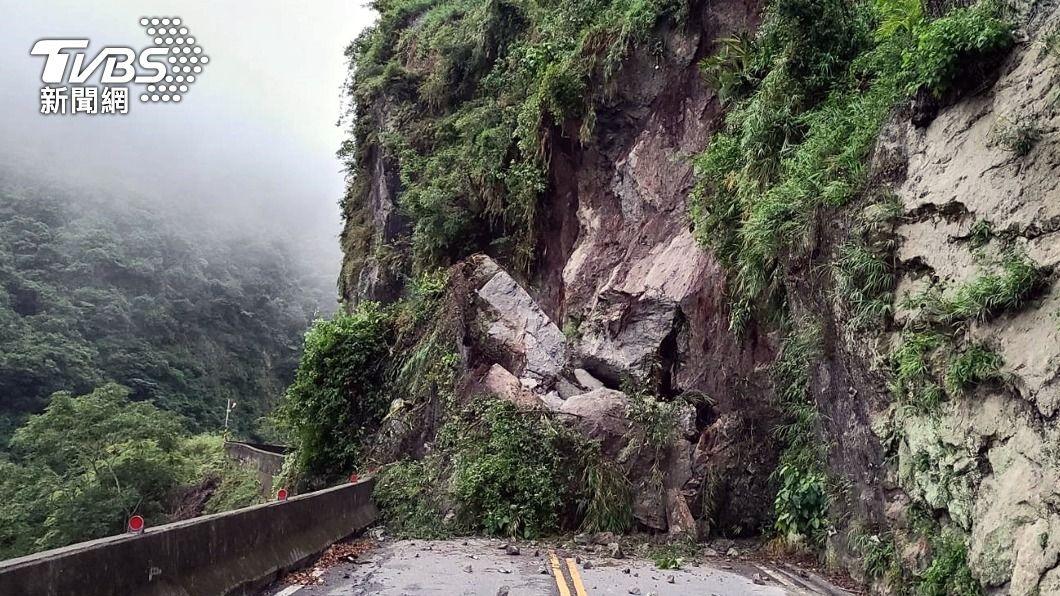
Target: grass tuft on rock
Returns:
[[975, 365], [1005, 290]]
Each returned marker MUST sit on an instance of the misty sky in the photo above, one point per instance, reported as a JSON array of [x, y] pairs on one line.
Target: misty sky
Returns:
[[253, 141]]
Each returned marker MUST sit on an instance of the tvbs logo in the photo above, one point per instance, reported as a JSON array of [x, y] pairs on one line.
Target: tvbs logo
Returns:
[[164, 71]]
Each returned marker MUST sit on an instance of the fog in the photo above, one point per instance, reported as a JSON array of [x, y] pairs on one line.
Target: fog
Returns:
[[252, 143]]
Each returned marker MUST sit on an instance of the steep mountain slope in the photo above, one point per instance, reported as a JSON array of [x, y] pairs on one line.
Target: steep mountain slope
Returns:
[[96, 290], [826, 267]]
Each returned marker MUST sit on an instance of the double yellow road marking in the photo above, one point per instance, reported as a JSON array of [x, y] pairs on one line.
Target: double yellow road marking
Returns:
[[561, 580]]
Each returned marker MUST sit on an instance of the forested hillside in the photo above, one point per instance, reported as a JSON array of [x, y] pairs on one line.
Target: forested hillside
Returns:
[[97, 288]]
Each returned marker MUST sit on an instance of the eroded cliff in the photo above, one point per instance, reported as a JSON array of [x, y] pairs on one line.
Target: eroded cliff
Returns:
[[853, 340]]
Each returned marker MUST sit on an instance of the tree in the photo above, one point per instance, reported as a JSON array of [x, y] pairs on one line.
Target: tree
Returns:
[[84, 466]]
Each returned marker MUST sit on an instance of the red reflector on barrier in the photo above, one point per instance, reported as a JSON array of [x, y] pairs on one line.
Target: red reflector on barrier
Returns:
[[354, 478], [136, 524], [281, 495]]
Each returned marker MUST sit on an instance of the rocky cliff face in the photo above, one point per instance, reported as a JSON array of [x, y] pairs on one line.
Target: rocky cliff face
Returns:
[[989, 460], [618, 269], [620, 294]]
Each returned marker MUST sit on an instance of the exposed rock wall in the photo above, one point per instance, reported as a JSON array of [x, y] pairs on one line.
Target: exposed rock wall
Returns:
[[631, 284], [993, 455]]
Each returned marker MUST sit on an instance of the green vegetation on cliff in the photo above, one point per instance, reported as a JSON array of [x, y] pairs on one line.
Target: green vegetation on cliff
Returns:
[[464, 93], [806, 98], [805, 101]]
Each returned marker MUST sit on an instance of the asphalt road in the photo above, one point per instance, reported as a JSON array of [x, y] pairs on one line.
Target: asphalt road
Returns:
[[480, 567]]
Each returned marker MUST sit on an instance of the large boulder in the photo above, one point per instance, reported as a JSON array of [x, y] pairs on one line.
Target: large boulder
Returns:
[[514, 324], [659, 475], [601, 415], [623, 334], [502, 383]]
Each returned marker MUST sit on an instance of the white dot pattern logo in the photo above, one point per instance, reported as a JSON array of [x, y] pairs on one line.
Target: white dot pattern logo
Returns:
[[183, 52]]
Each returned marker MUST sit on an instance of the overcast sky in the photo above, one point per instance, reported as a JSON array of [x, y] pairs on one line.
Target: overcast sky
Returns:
[[253, 141]]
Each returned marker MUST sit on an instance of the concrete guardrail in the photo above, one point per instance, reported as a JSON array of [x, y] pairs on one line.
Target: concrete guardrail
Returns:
[[231, 553], [267, 460]]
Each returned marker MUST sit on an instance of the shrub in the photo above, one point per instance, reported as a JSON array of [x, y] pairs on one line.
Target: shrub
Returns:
[[668, 560], [879, 557], [801, 502], [801, 505], [914, 377], [509, 477], [948, 574], [965, 36], [336, 399], [657, 418], [410, 494], [1018, 137], [981, 233], [865, 281], [791, 377], [607, 496], [1051, 42], [203, 458]]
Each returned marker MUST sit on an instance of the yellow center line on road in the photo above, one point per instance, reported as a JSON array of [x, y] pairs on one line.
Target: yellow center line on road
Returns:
[[576, 578], [557, 572]]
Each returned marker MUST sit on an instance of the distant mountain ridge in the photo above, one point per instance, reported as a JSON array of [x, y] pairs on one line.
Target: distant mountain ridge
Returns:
[[95, 289]]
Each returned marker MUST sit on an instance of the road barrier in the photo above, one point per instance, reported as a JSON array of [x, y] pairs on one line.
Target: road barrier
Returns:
[[266, 460], [232, 553]]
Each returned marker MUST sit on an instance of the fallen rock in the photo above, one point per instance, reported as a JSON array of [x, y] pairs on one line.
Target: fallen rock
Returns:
[[604, 538], [587, 380], [467, 568], [678, 515], [516, 323], [623, 333], [502, 383], [552, 400], [566, 389], [503, 591], [511, 549], [722, 545], [614, 550], [601, 415]]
